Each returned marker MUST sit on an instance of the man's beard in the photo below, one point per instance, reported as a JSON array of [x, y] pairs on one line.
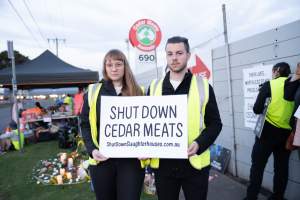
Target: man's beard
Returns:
[[178, 70]]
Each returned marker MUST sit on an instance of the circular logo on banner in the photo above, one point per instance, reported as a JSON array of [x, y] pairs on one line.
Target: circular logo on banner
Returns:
[[145, 35]]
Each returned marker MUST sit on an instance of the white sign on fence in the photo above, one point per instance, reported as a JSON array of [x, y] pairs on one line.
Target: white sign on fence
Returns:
[[152, 126], [252, 78]]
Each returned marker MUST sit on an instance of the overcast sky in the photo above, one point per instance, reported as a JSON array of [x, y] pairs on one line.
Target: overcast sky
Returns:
[[92, 27]]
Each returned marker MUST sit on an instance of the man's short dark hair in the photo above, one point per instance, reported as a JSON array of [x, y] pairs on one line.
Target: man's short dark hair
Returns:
[[179, 39], [283, 69]]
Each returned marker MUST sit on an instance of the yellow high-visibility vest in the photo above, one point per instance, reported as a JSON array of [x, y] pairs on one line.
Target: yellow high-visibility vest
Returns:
[[279, 111], [197, 99], [93, 92], [15, 140]]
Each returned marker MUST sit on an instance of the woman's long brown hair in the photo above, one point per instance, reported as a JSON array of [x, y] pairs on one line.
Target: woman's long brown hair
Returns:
[[130, 86]]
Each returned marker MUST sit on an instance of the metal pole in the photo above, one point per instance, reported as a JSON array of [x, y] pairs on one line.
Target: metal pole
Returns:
[[156, 64], [11, 55], [231, 112], [128, 50], [56, 42]]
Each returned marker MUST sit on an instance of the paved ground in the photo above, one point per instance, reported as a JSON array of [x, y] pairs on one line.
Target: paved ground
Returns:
[[225, 187]]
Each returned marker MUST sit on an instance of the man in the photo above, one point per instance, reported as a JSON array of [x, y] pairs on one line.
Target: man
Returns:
[[204, 125], [274, 135]]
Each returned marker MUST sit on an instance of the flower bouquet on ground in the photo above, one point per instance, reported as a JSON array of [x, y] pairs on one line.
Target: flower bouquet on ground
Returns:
[[63, 169], [149, 184]]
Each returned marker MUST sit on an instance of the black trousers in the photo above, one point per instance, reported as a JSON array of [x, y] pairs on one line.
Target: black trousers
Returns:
[[174, 174], [272, 140], [118, 179]]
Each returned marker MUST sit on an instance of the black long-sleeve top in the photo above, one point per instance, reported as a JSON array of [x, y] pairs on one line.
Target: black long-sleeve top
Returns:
[[264, 93], [107, 89], [212, 118], [292, 93]]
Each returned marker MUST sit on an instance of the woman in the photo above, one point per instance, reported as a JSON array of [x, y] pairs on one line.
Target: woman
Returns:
[[112, 178]]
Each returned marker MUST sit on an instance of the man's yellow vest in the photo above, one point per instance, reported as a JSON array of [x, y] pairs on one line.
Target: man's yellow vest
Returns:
[[15, 139], [197, 100], [93, 92], [279, 110]]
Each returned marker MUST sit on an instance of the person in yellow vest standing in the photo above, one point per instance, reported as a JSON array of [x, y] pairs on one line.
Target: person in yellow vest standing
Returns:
[[112, 178], [68, 101], [274, 134], [204, 125]]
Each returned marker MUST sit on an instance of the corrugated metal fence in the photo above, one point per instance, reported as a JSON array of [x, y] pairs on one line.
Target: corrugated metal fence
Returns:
[[270, 47]]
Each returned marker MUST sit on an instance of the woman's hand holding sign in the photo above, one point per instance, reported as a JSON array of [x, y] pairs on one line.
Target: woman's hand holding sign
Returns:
[[98, 156]]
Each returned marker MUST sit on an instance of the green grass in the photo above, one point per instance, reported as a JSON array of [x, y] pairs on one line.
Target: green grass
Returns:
[[16, 182]]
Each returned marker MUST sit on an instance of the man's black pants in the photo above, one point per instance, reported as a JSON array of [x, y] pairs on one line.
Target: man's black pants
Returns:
[[272, 140], [170, 177]]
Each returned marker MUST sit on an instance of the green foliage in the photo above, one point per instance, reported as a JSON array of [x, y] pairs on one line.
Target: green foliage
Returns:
[[4, 60]]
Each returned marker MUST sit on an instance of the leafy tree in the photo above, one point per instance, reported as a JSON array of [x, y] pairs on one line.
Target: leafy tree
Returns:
[[19, 59]]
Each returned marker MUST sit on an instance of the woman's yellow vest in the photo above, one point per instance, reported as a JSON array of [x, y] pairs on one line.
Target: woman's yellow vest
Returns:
[[279, 110], [93, 92], [197, 100]]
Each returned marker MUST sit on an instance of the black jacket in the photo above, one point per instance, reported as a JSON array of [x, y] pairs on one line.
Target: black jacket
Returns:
[[292, 93], [107, 89], [212, 118]]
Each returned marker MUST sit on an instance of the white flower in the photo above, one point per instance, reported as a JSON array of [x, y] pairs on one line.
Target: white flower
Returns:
[[85, 164]]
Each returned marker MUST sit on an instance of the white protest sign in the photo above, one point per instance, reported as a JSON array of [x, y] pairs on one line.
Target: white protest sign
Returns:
[[252, 78], [297, 113], [152, 126], [250, 117]]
